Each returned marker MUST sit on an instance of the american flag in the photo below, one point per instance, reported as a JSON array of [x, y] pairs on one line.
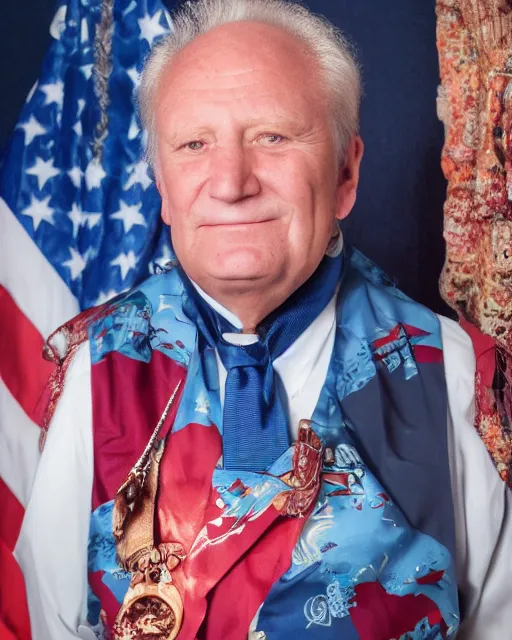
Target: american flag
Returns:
[[79, 223]]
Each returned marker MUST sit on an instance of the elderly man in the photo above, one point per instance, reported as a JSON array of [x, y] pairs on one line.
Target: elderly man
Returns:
[[276, 442]]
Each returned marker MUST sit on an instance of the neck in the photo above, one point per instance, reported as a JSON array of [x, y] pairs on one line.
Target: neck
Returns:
[[249, 308], [251, 304]]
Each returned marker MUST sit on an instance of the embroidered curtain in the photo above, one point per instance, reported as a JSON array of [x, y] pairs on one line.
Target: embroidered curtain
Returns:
[[474, 39]]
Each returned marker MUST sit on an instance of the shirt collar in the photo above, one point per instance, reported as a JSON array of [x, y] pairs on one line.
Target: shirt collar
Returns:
[[225, 313], [296, 363]]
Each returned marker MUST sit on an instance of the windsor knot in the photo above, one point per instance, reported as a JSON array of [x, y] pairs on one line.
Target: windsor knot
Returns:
[[251, 364], [234, 355]]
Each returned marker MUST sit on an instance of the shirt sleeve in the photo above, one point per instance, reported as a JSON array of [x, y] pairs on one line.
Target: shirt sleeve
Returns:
[[52, 546], [482, 504]]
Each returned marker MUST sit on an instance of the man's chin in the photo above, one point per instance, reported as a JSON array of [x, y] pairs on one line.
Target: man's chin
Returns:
[[246, 265], [242, 278], [249, 277], [234, 269]]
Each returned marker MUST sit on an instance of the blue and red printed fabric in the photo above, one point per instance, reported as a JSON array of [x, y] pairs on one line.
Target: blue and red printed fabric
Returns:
[[374, 558]]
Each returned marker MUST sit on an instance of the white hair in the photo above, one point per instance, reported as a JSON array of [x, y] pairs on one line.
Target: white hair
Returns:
[[338, 68]]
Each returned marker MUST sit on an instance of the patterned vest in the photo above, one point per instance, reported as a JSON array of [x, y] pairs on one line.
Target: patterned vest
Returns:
[[349, 534]]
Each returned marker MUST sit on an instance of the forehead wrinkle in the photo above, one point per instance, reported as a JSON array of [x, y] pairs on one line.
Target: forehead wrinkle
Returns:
[[186, 115], [264, 98], [232, 78], [260, 83], [245, 48]]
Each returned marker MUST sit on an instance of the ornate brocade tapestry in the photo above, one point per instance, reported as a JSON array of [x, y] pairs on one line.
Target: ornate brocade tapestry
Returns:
[[474, 39]]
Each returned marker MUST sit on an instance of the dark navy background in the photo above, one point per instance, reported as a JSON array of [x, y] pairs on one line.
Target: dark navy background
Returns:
[[397, 220]]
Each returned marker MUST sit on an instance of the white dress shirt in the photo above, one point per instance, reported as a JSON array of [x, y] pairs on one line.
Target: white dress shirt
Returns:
[[52, 547]]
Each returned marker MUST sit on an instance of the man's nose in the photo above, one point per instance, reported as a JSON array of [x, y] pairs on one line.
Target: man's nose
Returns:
[[232, 176]]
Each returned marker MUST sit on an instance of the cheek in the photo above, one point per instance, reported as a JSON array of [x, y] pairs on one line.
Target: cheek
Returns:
[[312, 225], [302, 178], [313, 204], [182, 182], [177, 201]]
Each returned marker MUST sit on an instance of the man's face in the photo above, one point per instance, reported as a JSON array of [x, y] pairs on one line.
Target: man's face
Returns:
[[245, 161]]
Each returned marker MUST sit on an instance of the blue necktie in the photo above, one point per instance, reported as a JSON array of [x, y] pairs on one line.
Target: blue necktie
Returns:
[[255, 428]]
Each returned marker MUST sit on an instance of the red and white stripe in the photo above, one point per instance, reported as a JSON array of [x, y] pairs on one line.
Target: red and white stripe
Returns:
[[34, 301]]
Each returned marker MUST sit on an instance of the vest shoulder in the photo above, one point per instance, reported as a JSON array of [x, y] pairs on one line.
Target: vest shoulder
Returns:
[[371, 305], [147, 318], [135, 323]]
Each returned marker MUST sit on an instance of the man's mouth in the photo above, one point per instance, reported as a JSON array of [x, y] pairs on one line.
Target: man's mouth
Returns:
[[237, 223]]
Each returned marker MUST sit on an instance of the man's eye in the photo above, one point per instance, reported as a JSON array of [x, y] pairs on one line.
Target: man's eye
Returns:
[[272, 138], [194, 145]]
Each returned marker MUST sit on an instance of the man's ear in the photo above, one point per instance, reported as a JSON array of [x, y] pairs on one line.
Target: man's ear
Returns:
[[349, 178]]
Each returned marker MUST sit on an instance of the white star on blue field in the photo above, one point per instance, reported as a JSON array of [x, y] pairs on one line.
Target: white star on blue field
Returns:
[[96, 220]]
